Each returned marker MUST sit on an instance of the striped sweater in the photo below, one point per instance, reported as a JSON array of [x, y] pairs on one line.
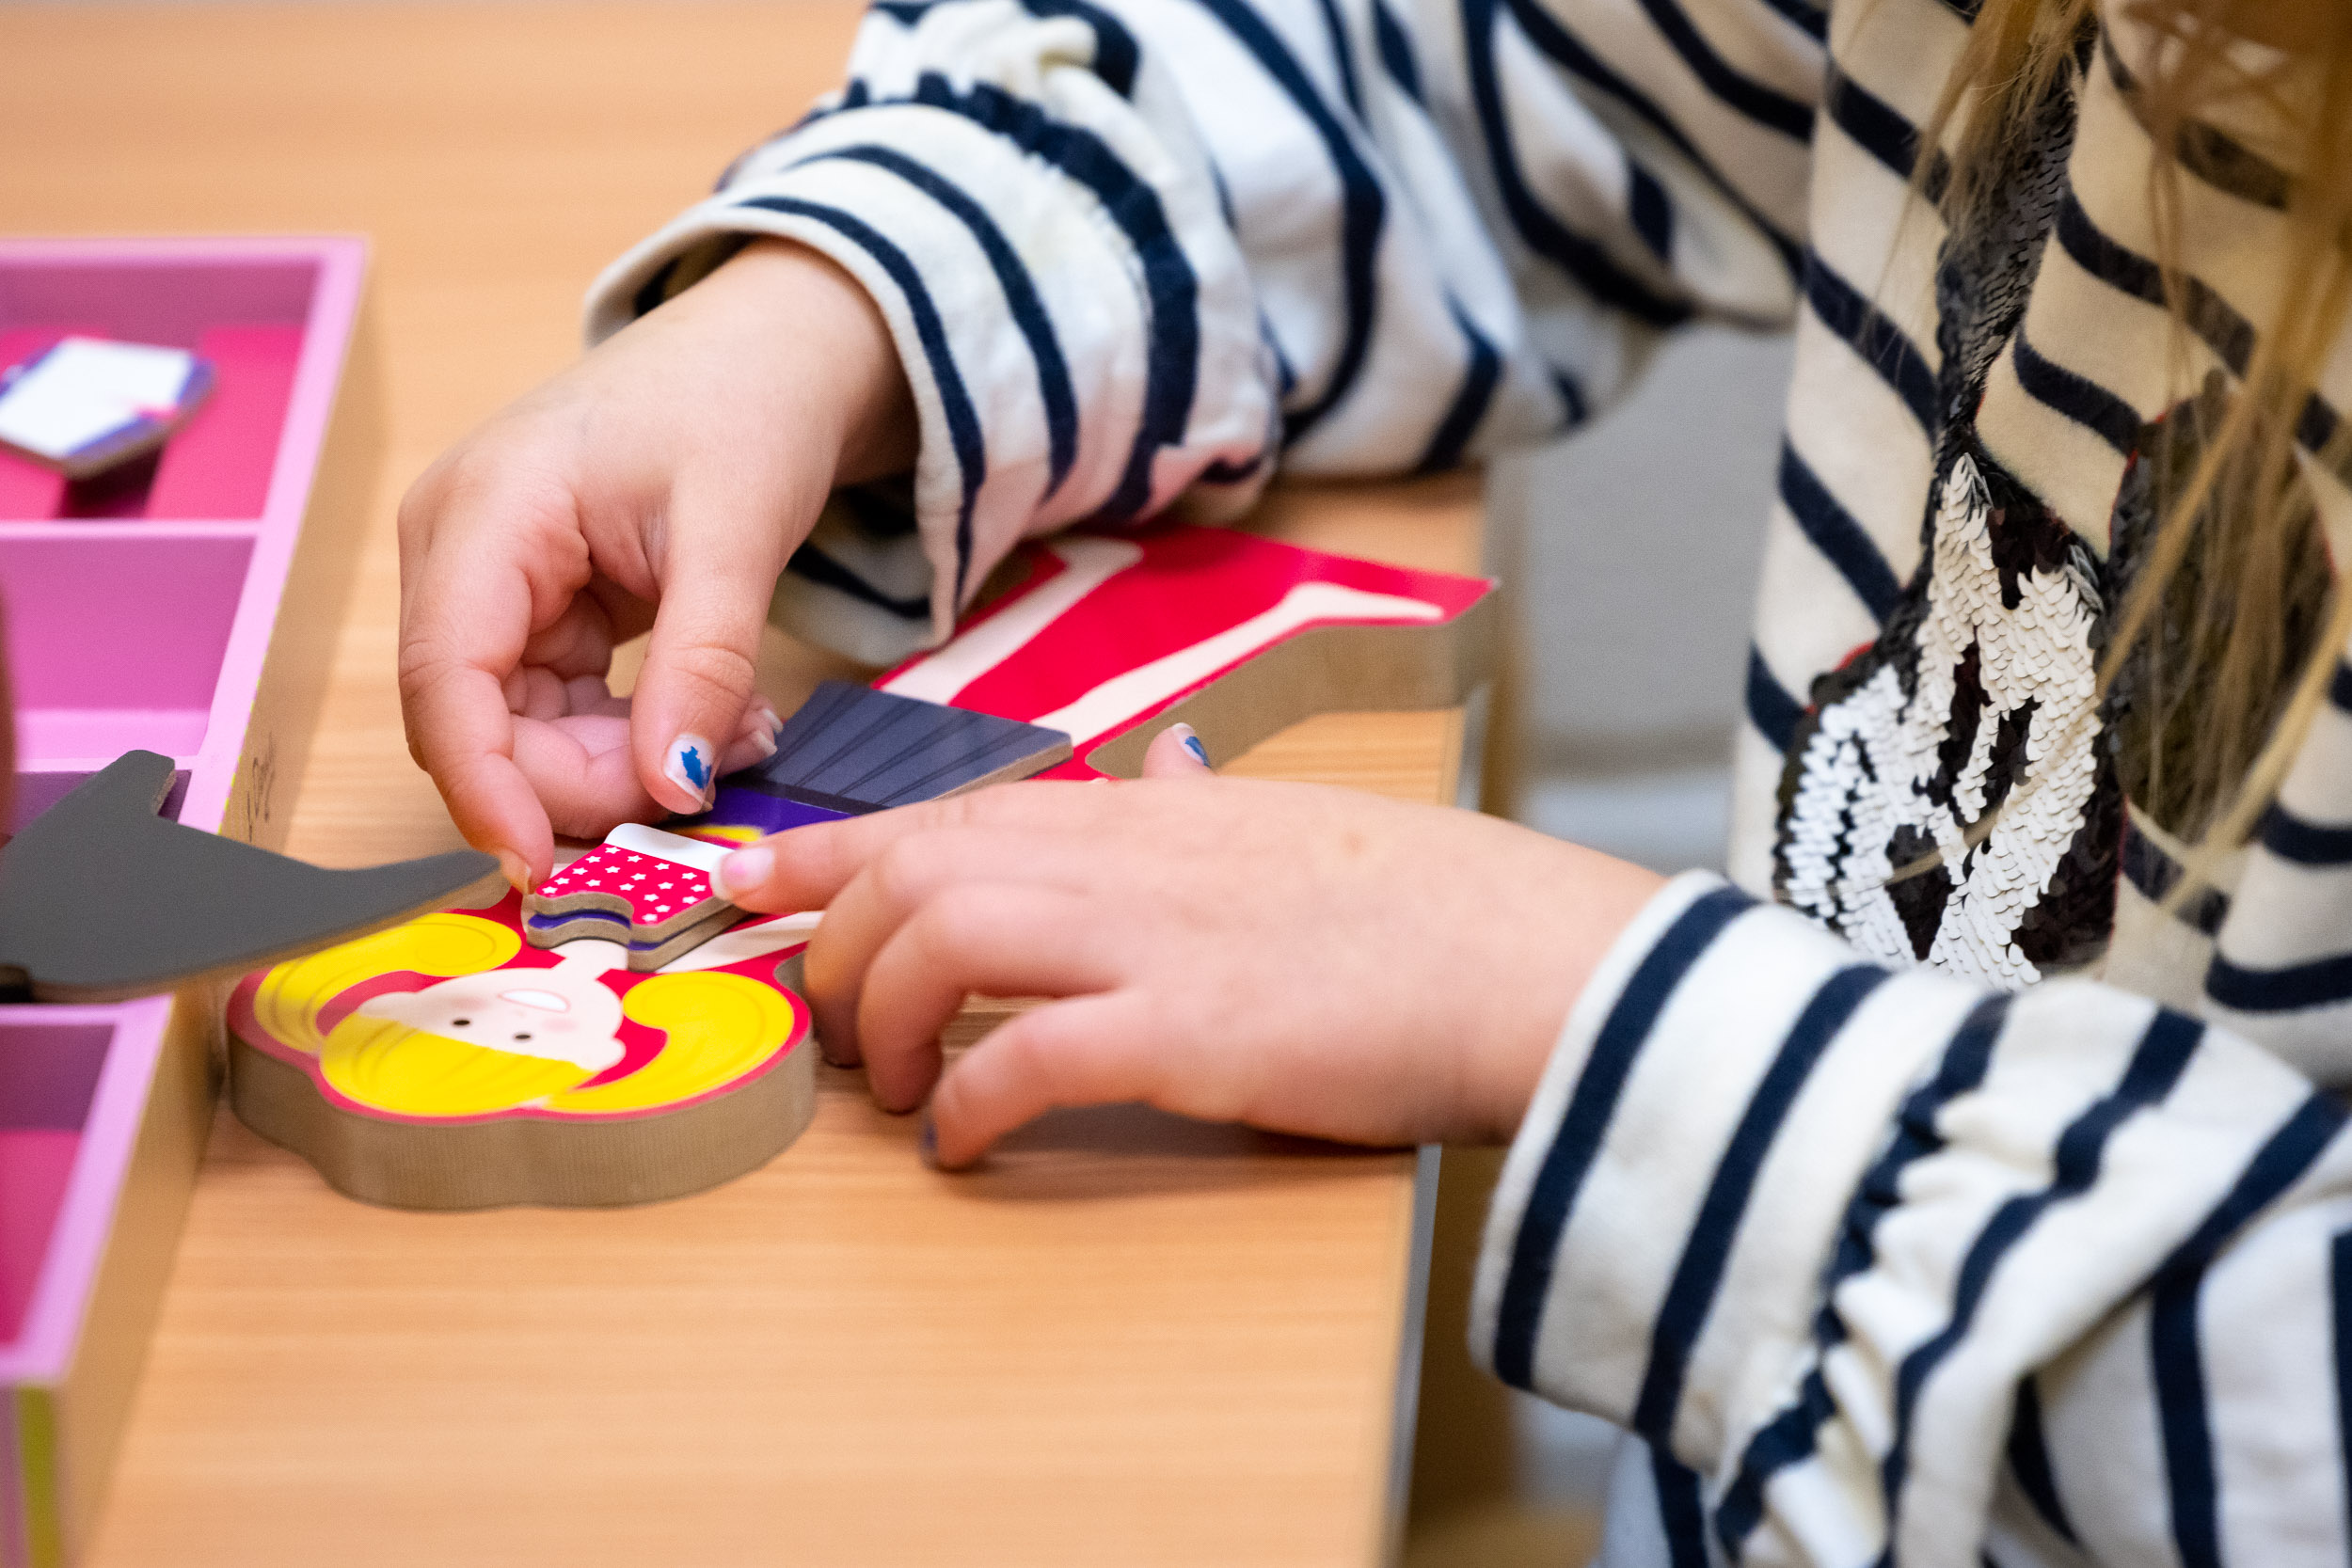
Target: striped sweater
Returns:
[[1996, 1214]]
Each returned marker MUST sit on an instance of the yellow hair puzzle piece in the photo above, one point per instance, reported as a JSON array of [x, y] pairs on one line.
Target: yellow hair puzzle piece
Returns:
[[448, 1064]]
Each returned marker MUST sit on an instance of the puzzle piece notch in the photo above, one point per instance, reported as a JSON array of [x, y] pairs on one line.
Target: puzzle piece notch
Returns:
[[654, 892], [102, 900]]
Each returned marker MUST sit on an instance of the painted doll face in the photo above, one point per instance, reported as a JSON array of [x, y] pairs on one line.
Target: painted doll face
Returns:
[[563, 1014]]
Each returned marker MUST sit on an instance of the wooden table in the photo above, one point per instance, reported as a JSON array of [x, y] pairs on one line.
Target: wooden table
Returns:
[[1130, 1340]]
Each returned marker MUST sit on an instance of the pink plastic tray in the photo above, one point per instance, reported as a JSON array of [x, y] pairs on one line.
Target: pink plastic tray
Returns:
[[144, 611]]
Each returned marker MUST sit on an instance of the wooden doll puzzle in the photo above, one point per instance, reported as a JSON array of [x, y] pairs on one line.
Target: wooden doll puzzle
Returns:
[[449, 1064], [183, 606], [520, 1053]]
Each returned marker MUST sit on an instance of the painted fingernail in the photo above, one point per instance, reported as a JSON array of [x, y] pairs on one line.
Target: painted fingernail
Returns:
[[688, 764], [747, 869], [927, 1142], [1191, 742], [517, 871]]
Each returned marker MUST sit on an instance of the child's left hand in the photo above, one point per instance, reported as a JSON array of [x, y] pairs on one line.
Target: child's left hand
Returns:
[[657, 485], [1303, 958]]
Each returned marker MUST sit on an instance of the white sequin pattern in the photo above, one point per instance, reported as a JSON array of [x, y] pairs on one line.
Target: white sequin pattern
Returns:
[[1866, 770]]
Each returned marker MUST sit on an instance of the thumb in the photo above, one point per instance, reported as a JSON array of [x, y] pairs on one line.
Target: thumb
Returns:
[[1175, 753], [688, 715]]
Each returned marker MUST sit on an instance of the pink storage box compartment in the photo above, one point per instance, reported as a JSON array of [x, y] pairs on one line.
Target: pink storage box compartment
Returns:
[[48, 1079], [117, 640], [186, 605], [249, 321]]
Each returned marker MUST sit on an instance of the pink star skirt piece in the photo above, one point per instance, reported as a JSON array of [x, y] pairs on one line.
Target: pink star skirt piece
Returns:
[[651, 891]]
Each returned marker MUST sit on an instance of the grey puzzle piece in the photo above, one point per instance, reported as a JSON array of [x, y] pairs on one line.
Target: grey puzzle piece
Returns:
[[101, 899], [852, 748]]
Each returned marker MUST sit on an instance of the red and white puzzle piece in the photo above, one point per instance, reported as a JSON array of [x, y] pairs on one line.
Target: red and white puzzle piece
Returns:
[[652, 892], [1109, 632]]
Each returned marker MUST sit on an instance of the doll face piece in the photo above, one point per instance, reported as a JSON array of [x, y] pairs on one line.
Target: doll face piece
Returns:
[[563, 1014]]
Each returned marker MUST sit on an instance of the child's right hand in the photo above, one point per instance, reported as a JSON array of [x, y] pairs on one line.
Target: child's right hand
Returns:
[[1296, 956], [661, 483]]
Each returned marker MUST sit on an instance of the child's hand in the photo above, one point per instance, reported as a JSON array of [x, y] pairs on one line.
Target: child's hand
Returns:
[[1302, 958], [663, 482]]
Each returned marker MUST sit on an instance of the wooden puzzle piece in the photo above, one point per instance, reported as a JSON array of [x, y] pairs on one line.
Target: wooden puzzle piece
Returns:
[[851, 749], [650, 891], [395, 1064], [449, 1064], [86, 404], [1111, 638], [101, 899]]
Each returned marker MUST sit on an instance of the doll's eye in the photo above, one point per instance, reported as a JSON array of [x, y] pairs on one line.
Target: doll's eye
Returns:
[[522, 1037], [460, 1022]]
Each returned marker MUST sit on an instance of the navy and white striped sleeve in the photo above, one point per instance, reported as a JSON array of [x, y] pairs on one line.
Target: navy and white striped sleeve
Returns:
[[1887, 1268], [1018, 188], [1137, 251]]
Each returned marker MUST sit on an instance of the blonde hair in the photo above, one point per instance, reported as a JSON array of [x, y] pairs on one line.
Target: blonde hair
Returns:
[[719, 1028], [2234, 621]]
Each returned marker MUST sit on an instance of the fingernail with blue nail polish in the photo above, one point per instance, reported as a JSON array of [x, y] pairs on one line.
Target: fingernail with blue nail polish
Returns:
[[688, 764], [1200, 752], [927, 1142]]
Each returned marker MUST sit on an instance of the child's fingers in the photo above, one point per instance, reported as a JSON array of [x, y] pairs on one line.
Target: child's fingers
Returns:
[[534, 693], [580, 641], [588, 694], [761, 719], [755, 737], [989, 938], [461, 732], [696, 683], [806, 868], [1176, 753], [755, 745], [1085, 1051], [464, 617], [581, 772], [467, 604], [897, 884]]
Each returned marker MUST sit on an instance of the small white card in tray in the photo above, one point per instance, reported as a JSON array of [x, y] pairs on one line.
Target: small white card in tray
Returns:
[[87, 404]]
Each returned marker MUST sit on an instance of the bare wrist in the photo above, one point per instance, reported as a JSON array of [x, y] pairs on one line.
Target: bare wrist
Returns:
[[1570, 937], [835, 323]]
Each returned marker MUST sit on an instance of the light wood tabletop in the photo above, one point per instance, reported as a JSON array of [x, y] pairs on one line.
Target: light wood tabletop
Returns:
[[1128, 1340]]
